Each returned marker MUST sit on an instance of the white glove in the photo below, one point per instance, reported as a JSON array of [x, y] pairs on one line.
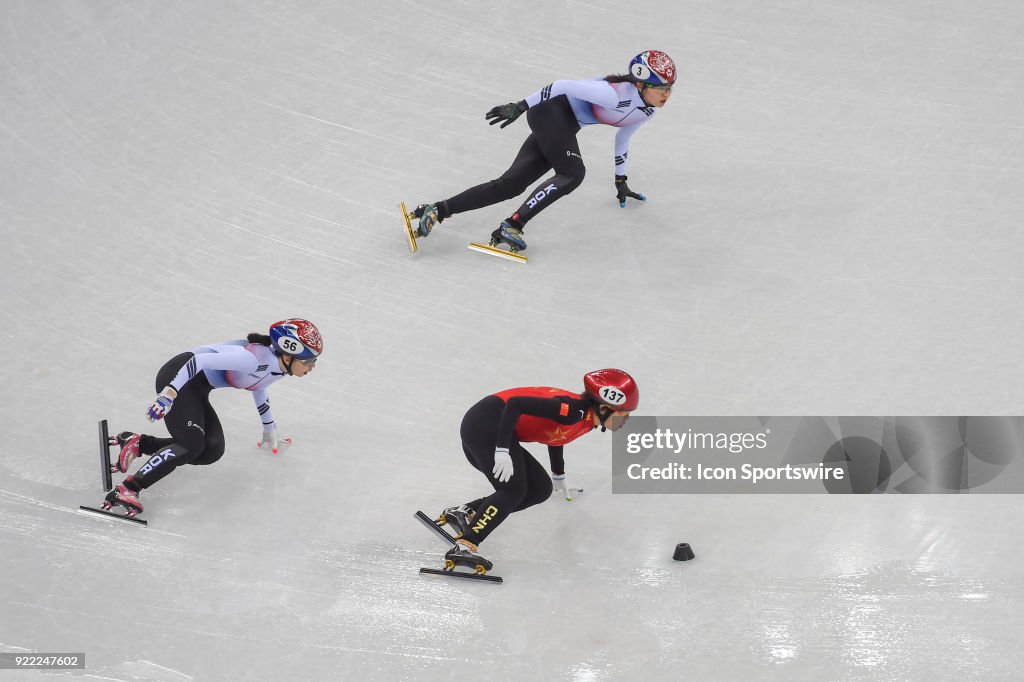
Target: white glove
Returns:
[[558, 483], [270, 440], [502, 465]]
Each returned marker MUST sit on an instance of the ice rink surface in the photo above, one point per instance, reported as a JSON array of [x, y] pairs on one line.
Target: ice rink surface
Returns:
[[833, 228]]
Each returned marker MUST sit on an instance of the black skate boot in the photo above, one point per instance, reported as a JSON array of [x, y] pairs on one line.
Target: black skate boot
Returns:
[[129, 443], [460, 517], [428, 216], [463, 553], [123, 496], [509, 234]]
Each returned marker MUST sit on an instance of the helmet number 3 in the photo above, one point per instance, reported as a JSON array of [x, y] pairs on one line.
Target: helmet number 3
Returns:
[[291, 346], [612, 395]]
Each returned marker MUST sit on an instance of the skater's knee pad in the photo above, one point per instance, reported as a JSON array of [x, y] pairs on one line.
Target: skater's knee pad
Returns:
[[213, 449], [515, 489], [539, 492], [209, 456], [510, 186], [574, 179]]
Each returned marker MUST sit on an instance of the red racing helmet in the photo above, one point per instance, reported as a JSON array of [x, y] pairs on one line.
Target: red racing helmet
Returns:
[[614, 388]]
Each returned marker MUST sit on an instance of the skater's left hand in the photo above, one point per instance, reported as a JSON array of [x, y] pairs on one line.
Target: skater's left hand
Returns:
[[559, 484], [271, 440], [622, 191]]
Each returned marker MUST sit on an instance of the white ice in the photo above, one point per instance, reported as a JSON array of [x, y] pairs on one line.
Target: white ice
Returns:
[[833, 228]]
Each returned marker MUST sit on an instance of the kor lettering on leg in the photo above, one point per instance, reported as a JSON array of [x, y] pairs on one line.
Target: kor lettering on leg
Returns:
[[165, 455], [541, 195]]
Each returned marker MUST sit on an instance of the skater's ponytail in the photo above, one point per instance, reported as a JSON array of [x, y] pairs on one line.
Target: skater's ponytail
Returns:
[[620, 78], [261, 339]]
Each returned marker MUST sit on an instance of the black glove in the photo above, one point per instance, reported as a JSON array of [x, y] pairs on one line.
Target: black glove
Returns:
[[506, 112], [622, 190]]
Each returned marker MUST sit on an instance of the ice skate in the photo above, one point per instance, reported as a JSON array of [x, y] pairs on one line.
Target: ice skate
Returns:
[[463, 553], [123, 496], [129, 443], [427, 216], [506, 235], [106, 468], [460, 518]]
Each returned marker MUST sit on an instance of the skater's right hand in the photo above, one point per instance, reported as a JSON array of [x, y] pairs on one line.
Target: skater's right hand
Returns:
[[502, 465], [506, 112], [162, 405]]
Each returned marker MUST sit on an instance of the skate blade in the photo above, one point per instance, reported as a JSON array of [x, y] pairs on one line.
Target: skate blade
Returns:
[[409, 234], [113, 515], [458, 574], [495, 251], [105, 463], [432, 525]]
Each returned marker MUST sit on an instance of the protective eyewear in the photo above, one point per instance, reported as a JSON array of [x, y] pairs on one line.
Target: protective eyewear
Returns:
[[615, 420]]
